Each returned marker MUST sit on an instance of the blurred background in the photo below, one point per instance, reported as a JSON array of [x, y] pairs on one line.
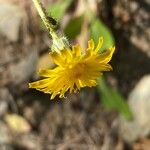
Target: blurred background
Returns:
[[112, 116]]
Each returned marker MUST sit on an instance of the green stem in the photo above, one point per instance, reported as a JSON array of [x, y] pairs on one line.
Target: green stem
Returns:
[[59, 43], [44, 17]]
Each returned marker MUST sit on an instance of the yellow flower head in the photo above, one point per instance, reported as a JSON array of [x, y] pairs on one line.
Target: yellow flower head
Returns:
[[74, 69]]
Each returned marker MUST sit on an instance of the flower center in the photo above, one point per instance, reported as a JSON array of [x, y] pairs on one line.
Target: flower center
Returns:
[[77, 70]]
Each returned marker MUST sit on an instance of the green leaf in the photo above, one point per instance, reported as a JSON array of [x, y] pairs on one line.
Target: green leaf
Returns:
[[73, 28], [98, 29], [113, 100], [58, 9]]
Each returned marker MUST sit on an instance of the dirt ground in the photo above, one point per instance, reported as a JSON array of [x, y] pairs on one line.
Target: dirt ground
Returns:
[[80, 121]]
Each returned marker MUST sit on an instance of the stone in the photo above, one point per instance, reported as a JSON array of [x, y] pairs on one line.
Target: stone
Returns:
[[5, 98], [139, 102], [5, 137], [17, 123], [22, 71], [5, 134], [11, 17]]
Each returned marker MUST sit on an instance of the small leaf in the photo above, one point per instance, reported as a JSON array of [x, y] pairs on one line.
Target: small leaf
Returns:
[[73, 28], [98, 29], [58, 9], [113, 100]]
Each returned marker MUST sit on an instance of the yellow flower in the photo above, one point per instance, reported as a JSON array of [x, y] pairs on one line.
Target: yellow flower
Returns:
[[74, 69]]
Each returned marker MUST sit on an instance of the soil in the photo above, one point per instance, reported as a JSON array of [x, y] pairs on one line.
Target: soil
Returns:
[[79, 121]]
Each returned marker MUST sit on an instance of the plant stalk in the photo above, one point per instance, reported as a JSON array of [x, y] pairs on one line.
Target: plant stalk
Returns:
[[59, 43], [42, 12]]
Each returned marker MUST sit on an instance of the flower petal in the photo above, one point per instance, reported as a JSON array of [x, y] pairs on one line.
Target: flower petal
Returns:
[[40, 84], [105, 57], [45, 72], [91, 44], [74, 69], [58, 59], [99, 45], [76, 50]]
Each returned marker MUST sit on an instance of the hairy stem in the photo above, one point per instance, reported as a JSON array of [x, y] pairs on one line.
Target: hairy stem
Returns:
[[59, 43], [44, 17]]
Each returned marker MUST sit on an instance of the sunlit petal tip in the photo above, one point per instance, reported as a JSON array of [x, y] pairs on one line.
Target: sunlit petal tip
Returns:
[[99, 45], [39, 71], [33, 84], [76, 50], [77, 46], [91, 44], [52, 96], [30, 85], [101, 39], [52, 52], [61, 96], [113, 48], [66, 53], [110, 68]]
